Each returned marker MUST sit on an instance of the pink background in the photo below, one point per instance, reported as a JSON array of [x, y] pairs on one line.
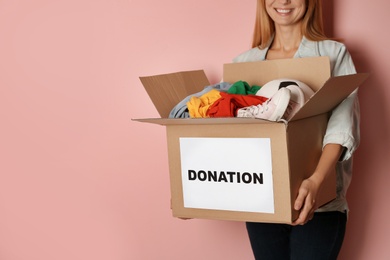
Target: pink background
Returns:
[[80, 180]]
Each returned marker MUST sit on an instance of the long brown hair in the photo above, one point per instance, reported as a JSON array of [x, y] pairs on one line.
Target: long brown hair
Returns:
[[312, 25]]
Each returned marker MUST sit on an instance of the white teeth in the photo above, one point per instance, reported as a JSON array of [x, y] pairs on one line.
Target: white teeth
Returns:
[[284, 11]]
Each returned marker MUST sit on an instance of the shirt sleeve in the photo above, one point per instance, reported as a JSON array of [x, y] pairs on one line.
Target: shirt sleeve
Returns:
[[343, 125]]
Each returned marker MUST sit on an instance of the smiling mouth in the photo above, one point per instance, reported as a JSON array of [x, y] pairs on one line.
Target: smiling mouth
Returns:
[[283, 11]]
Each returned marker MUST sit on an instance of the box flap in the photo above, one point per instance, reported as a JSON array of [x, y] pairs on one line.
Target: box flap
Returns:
[[314, 71], [334, 91], [167, 90], [203, 121]]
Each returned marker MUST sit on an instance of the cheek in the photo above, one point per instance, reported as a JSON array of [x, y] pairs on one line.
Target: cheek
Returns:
[[269, 11], [302, 13], [268, 4]]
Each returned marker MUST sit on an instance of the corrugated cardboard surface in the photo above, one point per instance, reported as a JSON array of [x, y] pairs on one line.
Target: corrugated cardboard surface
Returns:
[[330, 95], [204, 121], [167, 90], [304, 150], [296, 146], [280, 169]]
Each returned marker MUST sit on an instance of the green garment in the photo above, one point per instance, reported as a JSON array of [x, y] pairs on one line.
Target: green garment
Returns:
[[243, 88]]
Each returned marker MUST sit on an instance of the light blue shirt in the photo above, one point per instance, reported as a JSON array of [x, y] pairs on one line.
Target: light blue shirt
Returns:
[[343, 125]]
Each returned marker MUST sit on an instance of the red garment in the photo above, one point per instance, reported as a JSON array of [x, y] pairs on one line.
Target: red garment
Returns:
[[228, 104]]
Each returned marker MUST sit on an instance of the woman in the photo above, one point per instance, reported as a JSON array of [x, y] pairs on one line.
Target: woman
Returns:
[[293, 29]]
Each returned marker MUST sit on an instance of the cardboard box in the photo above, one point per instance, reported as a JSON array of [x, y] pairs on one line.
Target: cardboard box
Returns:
[[246, 169]]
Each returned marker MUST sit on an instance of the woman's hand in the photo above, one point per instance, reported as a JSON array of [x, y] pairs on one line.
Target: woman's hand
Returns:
[[306, 200]]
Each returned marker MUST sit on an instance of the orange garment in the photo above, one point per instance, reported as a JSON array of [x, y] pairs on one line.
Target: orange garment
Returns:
[[228, 104], [198, 106]]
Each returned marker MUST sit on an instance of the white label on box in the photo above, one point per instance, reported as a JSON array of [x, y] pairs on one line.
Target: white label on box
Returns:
[[227, 174]]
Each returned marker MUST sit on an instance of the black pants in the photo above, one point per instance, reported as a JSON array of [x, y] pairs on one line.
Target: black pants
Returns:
[[320, 238]]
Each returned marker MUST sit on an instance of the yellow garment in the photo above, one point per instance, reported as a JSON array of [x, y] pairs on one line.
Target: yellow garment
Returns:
[[198, 106]]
